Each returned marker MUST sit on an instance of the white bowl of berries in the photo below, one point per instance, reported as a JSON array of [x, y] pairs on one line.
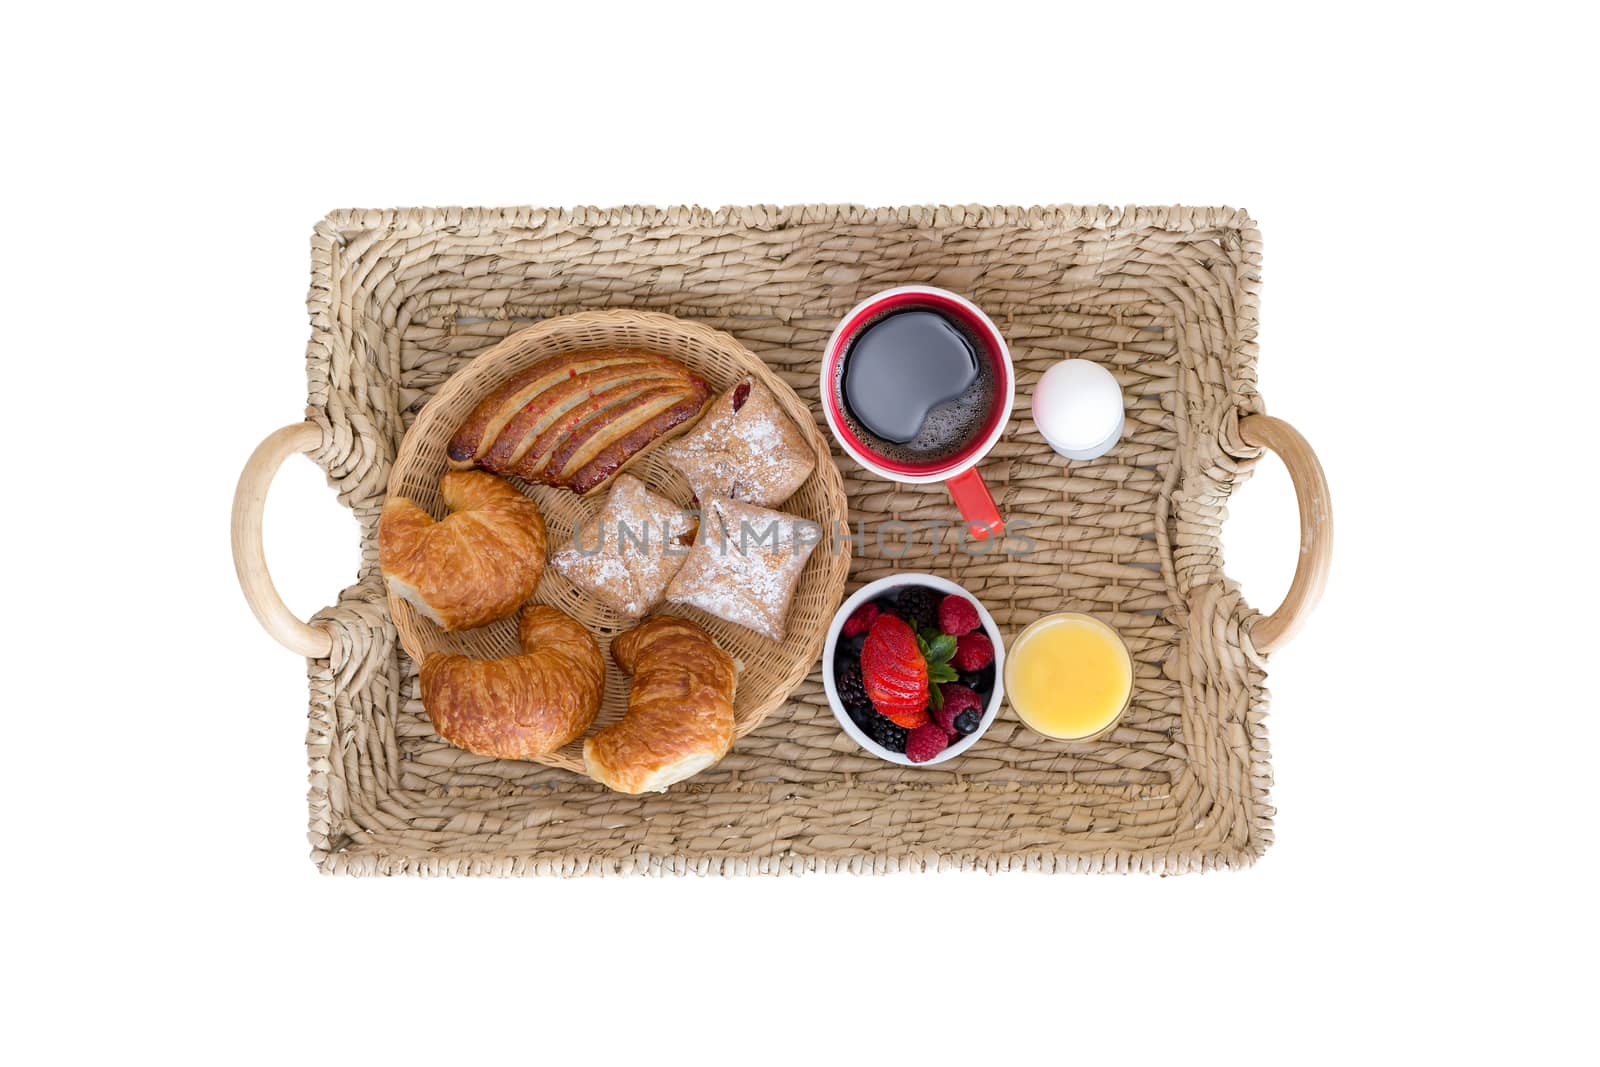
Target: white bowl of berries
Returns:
[[912, 666]]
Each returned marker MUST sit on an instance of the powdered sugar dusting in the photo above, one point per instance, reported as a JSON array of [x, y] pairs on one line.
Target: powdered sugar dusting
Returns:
[[745, 564], [754, 453], [627, 557]]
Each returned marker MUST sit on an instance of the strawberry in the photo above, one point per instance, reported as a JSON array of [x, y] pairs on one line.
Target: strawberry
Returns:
[[900, 670], [894, 671], [909, 720]]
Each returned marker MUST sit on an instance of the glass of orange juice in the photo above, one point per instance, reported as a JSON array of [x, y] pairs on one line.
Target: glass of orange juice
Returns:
[[1069, 676]]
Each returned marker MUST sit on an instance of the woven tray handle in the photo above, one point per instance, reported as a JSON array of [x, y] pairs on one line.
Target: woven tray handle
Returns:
[[1316, 528], [249, 557]]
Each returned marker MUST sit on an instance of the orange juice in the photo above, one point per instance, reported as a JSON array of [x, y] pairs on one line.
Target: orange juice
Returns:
[[1069, 676]]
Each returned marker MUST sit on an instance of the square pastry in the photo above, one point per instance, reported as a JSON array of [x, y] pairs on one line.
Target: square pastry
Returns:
[[745, 564], [639, 542], [745, 448]]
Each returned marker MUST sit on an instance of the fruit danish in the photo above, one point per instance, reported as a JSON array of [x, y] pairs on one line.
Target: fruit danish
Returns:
[[745, 565], [638, 543], [745, 448]]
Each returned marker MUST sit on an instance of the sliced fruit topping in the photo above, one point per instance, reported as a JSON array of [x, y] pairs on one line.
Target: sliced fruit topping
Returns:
[[894, 671]]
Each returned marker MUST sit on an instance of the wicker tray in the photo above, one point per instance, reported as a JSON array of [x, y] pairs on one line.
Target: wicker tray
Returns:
[[1164, 296]]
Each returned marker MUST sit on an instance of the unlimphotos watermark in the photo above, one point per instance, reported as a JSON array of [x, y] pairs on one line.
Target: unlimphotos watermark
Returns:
[[892, 538]]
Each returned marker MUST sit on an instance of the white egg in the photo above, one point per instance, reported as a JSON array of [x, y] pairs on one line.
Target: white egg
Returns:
[[1077, 406]]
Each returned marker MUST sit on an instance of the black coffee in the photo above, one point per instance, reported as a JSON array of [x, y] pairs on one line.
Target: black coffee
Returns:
[[916, 386]]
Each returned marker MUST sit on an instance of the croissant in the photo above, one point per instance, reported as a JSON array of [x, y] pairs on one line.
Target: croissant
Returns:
[[574, 420], [680, 711], [520, 706], [478, 565]]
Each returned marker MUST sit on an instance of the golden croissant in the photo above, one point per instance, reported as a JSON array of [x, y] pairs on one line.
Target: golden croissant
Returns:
[[478, 565], [680, 711], [520, 706], [574, 420]]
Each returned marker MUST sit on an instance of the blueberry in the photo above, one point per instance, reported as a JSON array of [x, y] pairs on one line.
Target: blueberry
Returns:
[[967, 721]]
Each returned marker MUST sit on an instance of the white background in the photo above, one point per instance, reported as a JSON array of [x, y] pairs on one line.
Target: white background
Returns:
[[1424, 184]]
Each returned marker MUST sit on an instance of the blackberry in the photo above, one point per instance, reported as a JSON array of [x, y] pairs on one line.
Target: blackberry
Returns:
[[966, 722], [852, 692], [919, 606], [885, 733]]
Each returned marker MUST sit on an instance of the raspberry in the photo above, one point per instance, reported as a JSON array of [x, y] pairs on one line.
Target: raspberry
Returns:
[[958, 700], [883, 733], [926, 742], [967, 722], [852, 693], [958, 615], [973, 652], [860, 620], [919, 606]]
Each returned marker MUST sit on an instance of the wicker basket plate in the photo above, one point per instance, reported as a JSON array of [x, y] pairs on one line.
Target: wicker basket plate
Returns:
[[768, 670], [1166, 297]]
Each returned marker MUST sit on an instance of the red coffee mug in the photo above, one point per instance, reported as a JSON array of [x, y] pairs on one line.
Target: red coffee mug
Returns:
[[958, 472]]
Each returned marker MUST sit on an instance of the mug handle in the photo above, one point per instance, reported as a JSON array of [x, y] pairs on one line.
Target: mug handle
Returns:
[[975, 504]]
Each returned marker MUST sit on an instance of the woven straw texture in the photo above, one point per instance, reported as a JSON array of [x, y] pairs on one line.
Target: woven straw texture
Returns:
[[768, 670], [1166, 297]]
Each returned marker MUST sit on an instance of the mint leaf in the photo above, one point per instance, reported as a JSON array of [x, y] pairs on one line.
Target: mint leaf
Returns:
[[940, 649]]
